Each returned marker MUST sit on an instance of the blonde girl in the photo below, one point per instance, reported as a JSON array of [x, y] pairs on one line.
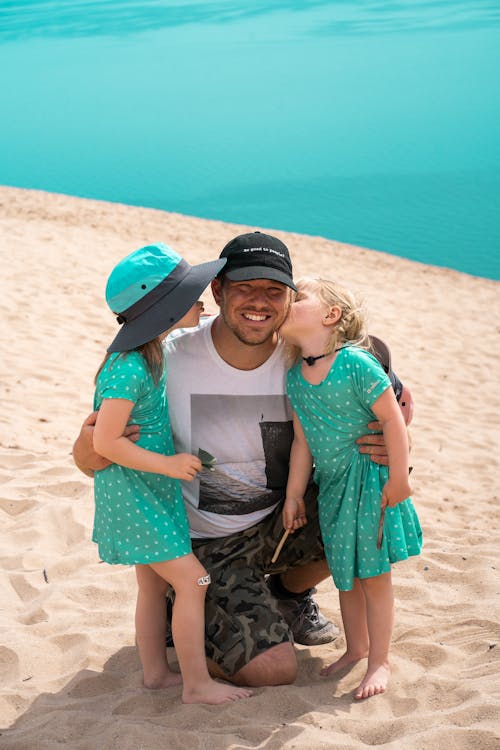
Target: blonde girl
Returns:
[[336, 387]]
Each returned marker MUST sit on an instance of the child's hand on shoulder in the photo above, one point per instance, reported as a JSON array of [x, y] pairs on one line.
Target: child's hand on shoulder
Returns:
[[294, 513], [395, 491], [182, 466]]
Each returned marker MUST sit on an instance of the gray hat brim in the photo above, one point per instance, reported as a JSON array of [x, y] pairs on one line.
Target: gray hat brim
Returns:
[[250, 273], [168, 310]]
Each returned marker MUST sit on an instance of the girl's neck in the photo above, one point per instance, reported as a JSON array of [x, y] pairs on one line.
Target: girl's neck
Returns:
[[315, 345], [316, 372]]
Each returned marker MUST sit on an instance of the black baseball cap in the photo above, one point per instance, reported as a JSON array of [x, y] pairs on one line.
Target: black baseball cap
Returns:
[[258, 256]]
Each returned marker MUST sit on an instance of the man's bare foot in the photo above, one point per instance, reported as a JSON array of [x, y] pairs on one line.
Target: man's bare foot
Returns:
[[157, 682], [214, 692], [374, 681], [345, 660]]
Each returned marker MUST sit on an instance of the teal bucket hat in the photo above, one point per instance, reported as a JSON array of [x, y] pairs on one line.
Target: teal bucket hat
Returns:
[[151, 289]]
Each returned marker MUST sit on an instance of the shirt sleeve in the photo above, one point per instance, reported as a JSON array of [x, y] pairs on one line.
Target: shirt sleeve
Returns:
[[368, 376], [123, 377]]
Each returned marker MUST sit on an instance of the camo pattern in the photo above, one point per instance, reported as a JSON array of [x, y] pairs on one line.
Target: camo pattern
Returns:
[[242, 619]]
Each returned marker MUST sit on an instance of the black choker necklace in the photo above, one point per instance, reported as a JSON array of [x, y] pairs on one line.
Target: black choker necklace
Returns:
[[311, 360]]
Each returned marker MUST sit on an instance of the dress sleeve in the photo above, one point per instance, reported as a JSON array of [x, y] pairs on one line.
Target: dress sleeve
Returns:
[[123, 377], [368, 376]]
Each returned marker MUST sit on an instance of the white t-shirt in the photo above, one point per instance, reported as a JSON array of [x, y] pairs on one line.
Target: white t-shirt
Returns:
[[243, 418]]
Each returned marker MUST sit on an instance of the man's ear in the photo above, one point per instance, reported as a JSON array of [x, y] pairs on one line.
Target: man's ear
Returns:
[[216, 287], [332, 316]]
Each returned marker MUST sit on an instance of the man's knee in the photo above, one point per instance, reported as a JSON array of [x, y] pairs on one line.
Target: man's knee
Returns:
[[276, 666]]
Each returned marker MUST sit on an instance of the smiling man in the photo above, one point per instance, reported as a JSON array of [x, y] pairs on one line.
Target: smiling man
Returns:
[[226, 395], [226, 382]]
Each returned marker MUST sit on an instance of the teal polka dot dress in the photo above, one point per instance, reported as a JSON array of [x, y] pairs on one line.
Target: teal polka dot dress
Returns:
[[139, 516], [333, 414]]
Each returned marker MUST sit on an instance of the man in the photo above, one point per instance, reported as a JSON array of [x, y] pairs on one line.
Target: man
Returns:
[[226, 395]]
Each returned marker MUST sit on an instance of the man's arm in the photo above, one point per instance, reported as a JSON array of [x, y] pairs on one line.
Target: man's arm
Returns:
[[84, 455], [375, 444]]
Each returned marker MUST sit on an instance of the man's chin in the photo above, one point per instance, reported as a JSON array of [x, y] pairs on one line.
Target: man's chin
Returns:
[[253, 338]]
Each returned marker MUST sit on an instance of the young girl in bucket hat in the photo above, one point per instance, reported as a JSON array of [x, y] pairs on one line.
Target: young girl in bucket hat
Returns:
[[366, 518], [139, 512]]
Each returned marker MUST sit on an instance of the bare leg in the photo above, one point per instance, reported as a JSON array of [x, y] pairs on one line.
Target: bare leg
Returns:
[[353, 608], [380, 619], [299, 579], [276, 666], [188, 629], [150, 618]]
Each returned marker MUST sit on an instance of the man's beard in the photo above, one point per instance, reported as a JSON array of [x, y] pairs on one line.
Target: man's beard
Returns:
[[256, 338], [250, 338]]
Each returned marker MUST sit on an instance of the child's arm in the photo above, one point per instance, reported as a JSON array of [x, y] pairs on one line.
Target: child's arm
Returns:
[[294, 509], [85, 457], [110, 443], [388, 413]]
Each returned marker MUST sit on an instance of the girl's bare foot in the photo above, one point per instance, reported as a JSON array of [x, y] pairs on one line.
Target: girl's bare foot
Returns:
[[374, 681], [157, 682], [345, 660], [214, 692]]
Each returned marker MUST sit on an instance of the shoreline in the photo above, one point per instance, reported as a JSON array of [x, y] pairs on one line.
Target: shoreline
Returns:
[[274, 230]]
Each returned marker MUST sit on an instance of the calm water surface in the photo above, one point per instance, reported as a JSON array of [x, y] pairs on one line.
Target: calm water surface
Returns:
[[375, 123]]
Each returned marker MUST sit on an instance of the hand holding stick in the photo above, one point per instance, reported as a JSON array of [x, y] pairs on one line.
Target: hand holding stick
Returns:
[[381, 522]]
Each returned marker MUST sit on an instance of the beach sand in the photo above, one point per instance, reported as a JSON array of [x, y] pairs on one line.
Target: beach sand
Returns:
[[69, 672]]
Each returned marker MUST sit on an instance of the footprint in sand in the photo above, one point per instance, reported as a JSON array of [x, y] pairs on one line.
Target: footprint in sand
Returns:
[[25, 591], [65, 489], [16, 507], [58, 471], [101, 684], [14, 458], [9, 665], [145, 703], [33, 615], [402, 706], [73, 650], [426, 654]]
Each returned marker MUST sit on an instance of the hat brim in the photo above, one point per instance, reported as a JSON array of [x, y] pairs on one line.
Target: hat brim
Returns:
[[168, 310], [250, 273]]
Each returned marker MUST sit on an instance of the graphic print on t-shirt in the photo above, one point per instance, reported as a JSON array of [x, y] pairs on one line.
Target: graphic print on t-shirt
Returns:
[[250, 474]]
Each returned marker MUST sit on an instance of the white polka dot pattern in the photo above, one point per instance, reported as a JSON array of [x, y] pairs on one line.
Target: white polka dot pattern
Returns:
[[139, 516], [333, 415]]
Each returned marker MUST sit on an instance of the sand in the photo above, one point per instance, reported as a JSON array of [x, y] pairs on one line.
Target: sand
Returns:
[[70, 675]]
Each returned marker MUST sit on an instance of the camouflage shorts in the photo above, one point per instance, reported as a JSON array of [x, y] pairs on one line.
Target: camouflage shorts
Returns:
[[242, 619]]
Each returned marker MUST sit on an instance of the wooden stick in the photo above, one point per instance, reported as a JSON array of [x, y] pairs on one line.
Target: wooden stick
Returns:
[[280, 546], [381, 527]]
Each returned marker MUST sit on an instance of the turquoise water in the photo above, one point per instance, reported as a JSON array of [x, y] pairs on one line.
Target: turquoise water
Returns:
[[374, 123]]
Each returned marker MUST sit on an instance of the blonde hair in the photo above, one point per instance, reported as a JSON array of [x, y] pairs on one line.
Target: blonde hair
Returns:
[[152, 353], [351, 327]]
